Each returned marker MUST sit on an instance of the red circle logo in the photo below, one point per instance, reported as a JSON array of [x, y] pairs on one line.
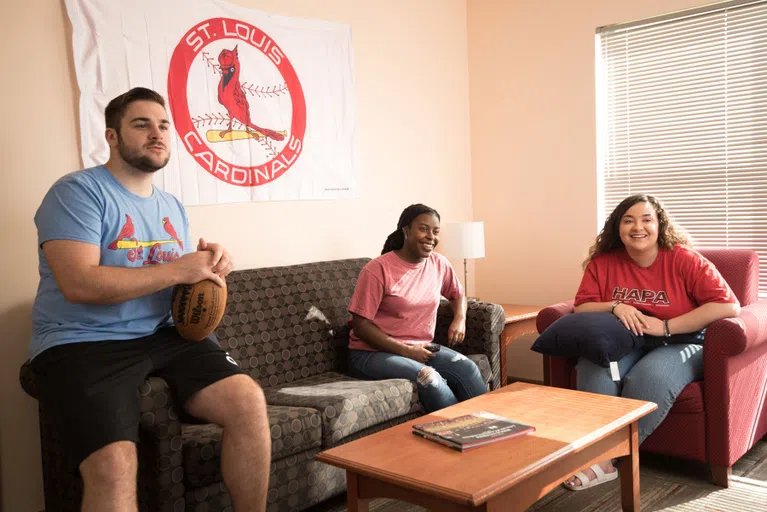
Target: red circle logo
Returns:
[[236, 101]]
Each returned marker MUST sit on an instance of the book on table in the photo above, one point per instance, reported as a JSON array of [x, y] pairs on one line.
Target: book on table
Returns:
[[472, 430]]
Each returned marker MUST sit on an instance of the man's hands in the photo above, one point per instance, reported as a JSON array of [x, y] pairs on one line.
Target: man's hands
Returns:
[[194, 267], [211, 261], [222, 260]]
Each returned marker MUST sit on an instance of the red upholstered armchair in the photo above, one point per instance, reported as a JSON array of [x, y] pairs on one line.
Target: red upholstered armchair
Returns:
[[716, 420]]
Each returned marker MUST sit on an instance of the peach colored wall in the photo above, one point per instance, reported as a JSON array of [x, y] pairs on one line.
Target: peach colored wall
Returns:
[[533, 144], [411, 74]]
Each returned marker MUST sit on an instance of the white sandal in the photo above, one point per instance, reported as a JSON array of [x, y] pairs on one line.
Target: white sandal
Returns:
[[601, 478]]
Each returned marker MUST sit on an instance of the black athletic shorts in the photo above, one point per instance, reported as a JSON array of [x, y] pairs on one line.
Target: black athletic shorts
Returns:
[[90, 390]]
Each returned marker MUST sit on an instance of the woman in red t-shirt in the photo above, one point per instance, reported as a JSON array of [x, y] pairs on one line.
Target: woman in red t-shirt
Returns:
[[394, 315], [642, 270]]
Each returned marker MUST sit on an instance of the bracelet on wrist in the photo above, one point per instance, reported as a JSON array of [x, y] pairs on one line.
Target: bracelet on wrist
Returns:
[[666, 332], [615, 305]]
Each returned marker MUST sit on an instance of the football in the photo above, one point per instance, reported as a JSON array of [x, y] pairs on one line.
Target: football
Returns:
[[197, 309]]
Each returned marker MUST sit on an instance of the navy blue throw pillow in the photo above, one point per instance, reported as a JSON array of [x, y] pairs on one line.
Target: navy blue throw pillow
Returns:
[[599, 337], [695, 338]]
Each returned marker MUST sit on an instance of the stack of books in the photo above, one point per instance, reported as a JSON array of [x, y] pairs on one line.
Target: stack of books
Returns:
[[472, 430]]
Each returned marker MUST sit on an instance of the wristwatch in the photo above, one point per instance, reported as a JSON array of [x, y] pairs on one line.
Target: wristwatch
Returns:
[[615, 305]]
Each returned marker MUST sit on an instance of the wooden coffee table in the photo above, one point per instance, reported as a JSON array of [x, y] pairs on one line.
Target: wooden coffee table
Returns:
[[573, 431]]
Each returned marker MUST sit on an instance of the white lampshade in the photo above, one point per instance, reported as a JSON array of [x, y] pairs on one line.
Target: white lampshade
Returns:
[[462, 240]]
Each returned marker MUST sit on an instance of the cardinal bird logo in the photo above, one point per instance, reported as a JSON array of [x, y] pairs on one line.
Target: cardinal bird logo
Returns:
[[126, 233], [231, 96], [237, 102], [127, 241], [171, 231]]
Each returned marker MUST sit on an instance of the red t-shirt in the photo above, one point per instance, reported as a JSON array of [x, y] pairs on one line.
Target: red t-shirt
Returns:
[[678, 281], [402, 298]]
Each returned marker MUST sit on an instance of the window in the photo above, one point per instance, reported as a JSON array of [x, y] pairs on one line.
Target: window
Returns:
[[682, 115]]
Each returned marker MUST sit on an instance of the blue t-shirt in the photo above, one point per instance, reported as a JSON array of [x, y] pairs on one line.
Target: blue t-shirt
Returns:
[[132, 231]]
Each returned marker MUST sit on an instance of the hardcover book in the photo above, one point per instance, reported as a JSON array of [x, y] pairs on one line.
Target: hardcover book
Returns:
[[472, 430]]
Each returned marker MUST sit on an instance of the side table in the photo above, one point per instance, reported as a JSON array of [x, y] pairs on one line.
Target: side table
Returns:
[[520, 320]]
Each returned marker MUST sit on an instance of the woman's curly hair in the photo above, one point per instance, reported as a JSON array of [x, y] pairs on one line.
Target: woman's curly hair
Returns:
[[669, 234]]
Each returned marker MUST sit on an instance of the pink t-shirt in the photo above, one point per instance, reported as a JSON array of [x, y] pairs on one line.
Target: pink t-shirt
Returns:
[[402, 298]]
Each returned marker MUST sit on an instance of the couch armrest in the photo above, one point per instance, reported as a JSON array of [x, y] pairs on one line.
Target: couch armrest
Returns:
[[735, 376], [161, 461], [484, 324], [161, 482]]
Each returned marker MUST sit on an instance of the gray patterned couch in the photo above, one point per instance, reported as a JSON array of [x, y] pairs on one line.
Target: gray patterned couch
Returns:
[[287, 327]]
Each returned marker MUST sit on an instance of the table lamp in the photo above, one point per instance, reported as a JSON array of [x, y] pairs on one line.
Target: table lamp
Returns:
[[463, 240]]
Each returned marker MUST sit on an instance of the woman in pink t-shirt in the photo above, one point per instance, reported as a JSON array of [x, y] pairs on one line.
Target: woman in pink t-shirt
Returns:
[[642, 270], [394, 314]]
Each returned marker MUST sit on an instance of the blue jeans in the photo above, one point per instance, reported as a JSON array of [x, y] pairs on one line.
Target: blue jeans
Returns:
[[455, 377], [656, 375]]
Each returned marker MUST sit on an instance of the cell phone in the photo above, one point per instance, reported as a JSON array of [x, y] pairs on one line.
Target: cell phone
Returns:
[[432, 347]]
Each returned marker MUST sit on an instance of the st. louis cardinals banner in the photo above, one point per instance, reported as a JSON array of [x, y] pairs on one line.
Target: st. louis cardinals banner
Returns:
[[262, 106]]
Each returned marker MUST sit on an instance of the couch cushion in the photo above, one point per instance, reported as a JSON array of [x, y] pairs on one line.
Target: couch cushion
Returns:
[[293, 430], [299, 481], [484, 366], [348, 405]]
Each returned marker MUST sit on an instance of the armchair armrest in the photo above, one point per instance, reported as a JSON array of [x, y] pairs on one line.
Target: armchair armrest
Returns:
[[550, 314], [557, 371], [484, 324], [733, 336], [735, 370], [161, 461]]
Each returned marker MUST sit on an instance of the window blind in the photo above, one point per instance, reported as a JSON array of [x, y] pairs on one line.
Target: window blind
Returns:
[[682, 115]]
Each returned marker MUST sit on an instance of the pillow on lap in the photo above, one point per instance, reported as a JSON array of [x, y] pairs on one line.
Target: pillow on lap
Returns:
[[599, 337]]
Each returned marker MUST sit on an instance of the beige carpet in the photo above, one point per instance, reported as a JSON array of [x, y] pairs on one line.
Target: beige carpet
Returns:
[[667, 485]]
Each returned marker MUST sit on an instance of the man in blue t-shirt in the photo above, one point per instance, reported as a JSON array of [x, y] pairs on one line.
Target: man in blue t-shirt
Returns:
[[111, 247]]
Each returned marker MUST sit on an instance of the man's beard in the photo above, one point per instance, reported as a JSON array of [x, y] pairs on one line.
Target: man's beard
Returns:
[[135, 159]]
